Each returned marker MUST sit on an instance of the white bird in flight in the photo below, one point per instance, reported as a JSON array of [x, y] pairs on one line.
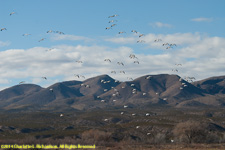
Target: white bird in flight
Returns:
[[141, 35], [120, 63], [79, 61], [113, 25], [21, 82], [113, 16], [26, 34], [111, 21], [107, 28], [2, 29], [107, 60], [42, 39], [134, 31], [121, 32], [44, 78], [12, 13]]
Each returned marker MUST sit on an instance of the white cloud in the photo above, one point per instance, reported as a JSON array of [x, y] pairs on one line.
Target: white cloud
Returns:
[[202, 19], [34, 63], [160, 25], [3, 44], [4, 81], [57, 37], [149, 39], [122, 40]]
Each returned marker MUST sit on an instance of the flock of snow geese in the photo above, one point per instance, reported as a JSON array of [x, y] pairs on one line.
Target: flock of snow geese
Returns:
[[112, 24], [132, 56]]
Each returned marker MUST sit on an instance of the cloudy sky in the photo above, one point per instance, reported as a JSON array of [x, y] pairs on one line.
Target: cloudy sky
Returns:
[[61, 39]]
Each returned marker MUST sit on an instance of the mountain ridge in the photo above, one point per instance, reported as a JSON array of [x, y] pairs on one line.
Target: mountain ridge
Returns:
[[103, 92]]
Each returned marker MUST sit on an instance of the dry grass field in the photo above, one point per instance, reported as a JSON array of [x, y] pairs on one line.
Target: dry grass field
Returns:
[[163, 128]]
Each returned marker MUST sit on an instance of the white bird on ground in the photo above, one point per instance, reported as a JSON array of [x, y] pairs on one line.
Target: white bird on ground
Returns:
[[134, 92], [61, 115], [147, 114], [102, 101], [148, 77], [51, 90], [137, 127], [87, 86], [122, 113], [143, 93], [115, 89], [125, 106]]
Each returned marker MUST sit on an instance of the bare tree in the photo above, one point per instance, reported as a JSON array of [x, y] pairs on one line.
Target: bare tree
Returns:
[[190, 132]]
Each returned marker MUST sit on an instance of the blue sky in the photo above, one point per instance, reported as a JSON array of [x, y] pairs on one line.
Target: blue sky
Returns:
[[195, 26]]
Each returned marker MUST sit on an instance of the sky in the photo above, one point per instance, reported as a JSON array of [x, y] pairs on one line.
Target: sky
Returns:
[[66, 40]]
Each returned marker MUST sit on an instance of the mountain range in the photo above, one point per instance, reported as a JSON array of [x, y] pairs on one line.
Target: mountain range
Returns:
[[105, 92]]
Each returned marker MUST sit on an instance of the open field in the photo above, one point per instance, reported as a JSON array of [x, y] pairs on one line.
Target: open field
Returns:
[[108, 128]]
